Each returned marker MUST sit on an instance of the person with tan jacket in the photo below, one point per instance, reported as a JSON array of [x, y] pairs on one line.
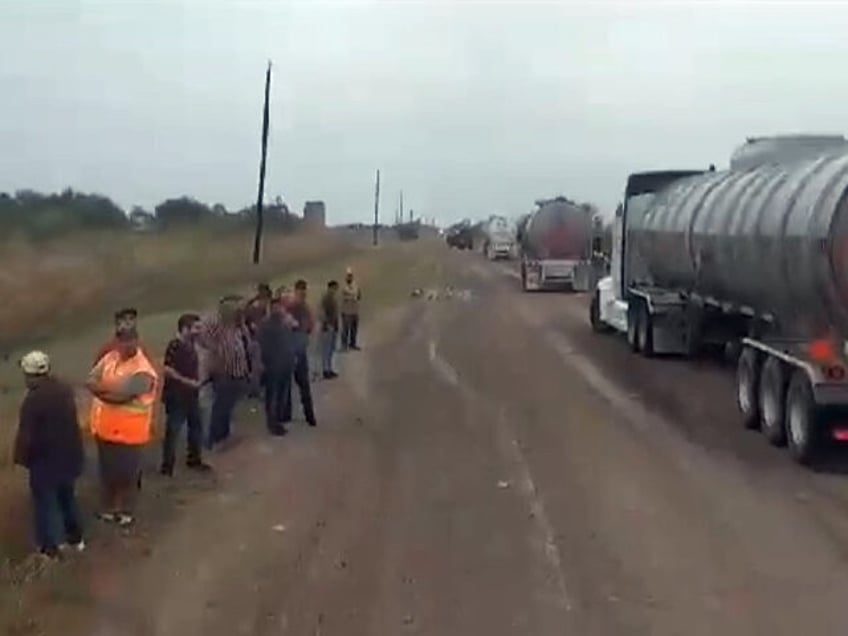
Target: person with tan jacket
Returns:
[[351, 297]]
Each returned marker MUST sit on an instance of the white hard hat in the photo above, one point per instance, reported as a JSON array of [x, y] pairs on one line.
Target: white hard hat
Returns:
[[35, 363], [349, 270]]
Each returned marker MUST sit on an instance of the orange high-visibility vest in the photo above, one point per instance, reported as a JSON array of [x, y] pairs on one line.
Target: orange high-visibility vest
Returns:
[[132, 422]]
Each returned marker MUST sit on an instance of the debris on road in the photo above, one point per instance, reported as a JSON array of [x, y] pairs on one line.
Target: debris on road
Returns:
[[503, 484], [279, 528]]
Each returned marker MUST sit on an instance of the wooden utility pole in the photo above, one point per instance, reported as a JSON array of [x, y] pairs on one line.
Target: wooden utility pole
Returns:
[[376, 207], [257, 241]]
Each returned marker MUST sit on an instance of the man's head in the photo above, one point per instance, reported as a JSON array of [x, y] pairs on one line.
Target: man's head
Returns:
[[35, 366], [229, 309], [300, 290], [333, 286], [277, 305], [126, 318], [349, 276], [188, 327], [263, 291], [127, 343]]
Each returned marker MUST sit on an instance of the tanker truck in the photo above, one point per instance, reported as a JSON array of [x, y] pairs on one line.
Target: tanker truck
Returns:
[[753, 259], [498, 238], [555, 246]]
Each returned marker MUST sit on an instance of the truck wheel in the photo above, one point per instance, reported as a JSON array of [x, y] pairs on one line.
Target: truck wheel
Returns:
[[802, 421], [598, 325], [772, 398], [747, 380], [645, 331], [633, 316]]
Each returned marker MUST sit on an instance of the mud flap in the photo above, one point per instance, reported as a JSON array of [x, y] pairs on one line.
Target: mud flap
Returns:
[[583, 277]]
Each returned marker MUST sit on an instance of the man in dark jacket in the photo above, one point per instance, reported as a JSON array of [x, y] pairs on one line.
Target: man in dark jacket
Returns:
[[49, 445], [276, 343]]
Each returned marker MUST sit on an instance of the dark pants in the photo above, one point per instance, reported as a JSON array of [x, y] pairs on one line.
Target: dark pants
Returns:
[[350, 328], [227, 392], [56, 515], [277, 397], [301, 378], [179, 413]]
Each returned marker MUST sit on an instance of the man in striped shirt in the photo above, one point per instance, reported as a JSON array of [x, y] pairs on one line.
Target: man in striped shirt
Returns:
[[221, 336]]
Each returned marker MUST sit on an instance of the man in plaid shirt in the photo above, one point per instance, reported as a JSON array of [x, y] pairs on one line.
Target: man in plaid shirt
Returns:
[[221, 335]]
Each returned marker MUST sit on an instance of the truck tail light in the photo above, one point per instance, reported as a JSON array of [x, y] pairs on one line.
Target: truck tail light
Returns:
[[835, 372]]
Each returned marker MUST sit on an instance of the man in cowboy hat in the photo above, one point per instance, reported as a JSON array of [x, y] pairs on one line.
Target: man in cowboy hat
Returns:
[[49, 445]]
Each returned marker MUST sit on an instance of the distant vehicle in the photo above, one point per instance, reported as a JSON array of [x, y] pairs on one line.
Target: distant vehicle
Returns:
[[555, 246], [498, 238], [754, 260], [460, 236]]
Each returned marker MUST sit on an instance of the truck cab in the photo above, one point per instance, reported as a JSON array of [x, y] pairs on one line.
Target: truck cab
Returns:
[[610, 307]]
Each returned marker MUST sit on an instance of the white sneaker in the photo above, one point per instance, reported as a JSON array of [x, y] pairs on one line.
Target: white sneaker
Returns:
[[75, 547]]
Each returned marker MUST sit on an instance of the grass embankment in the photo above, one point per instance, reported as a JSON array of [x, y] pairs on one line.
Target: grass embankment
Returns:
[[163, 276], [386, 275]]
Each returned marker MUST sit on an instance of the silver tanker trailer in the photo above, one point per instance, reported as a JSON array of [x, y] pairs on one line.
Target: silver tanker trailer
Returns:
[[555, 246], [754, 259]]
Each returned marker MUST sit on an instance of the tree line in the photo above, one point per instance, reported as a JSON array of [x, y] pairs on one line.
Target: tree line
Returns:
[[38, 215]]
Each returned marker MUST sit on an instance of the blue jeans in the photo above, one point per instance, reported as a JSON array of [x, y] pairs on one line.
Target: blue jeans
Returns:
[[277, 397], [56, 514], [328, 348], [301, 379], [179, 413], [227, 390]]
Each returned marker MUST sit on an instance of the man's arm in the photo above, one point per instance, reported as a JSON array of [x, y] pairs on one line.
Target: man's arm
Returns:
[[24, 442], [169, 364]]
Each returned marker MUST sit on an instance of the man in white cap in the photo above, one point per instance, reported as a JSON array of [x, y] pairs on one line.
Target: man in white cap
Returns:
[[49, 445]]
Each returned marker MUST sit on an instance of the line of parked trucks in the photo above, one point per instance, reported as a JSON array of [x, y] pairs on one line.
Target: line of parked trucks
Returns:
[[752, 260]]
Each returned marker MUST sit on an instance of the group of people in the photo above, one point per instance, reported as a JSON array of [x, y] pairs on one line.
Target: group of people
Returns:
[[247, 348]]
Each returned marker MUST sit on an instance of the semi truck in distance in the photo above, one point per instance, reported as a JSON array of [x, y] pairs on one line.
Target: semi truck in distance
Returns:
[[753, 259], [498, 238], [555, 246], [460, 236]]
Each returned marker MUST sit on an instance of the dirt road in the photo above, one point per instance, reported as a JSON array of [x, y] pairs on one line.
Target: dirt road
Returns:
[[489, 466]]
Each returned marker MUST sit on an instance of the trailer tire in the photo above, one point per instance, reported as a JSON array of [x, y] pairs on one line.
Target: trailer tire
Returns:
[[645, 331], [598, 325], [747, 381], [802, 419], [772, 401], [523, 276], [633, 316]]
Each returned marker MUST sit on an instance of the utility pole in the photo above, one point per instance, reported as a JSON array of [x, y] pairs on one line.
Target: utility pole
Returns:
[[400, 212], [410, 215], [257, 241], [376, 207]]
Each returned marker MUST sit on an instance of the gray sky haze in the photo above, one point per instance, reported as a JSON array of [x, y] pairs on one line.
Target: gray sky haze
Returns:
[[471, 107]]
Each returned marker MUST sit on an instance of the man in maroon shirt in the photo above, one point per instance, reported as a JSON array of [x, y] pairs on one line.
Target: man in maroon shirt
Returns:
[[298, 308], [180, 395]]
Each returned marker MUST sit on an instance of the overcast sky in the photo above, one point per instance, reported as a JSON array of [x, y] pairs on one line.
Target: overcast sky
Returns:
[[471, 107]]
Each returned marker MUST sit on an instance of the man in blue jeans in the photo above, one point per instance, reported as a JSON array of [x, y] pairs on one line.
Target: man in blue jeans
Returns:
[[49, 445], [221, 336], [329, 328], [180, 395]]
